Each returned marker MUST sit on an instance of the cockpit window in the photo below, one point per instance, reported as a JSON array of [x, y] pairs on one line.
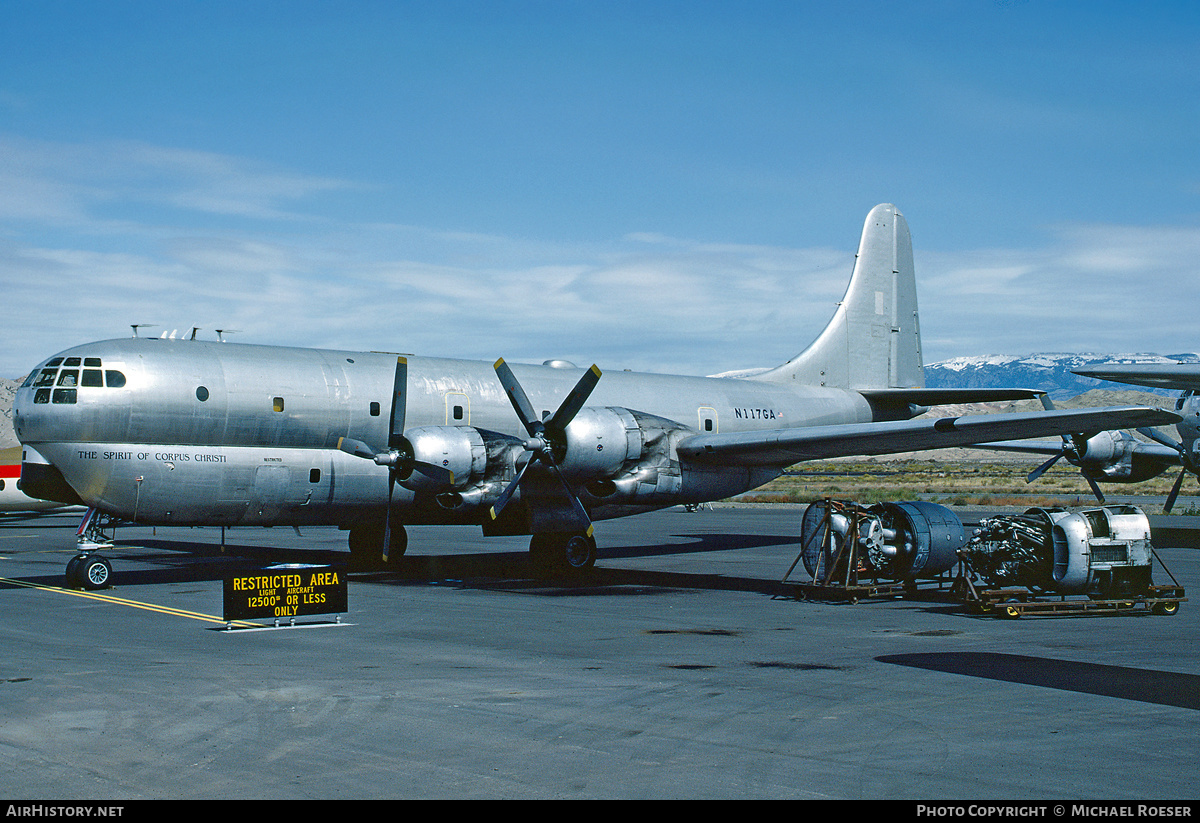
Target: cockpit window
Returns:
[[68, 378]]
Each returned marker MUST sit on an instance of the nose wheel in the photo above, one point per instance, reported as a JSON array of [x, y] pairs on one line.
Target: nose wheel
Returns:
[[89, 571]]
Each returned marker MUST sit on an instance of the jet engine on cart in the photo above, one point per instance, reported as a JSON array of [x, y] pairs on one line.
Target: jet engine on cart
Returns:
[[1102, 552]]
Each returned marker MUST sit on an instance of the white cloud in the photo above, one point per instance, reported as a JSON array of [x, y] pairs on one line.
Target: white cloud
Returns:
[[89, 249]]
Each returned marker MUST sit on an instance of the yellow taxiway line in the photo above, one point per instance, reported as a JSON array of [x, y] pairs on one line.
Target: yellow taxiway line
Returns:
[[134, 604]]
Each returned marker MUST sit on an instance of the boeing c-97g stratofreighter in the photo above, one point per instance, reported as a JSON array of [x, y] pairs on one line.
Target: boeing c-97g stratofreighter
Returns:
[[186, 432]]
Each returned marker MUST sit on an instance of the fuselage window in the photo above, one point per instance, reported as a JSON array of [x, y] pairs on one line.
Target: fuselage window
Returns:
[[314, 475], [458, 412], [114, 379], [374, 408], [277, 404], [92, 378], [201, 393]]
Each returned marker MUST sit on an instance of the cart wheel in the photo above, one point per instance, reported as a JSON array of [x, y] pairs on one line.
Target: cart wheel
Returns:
[[1011, 612], [1171, 607]]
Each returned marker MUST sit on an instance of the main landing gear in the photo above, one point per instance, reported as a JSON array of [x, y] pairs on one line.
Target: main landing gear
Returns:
[[366, 545], [555, 553], [88, 569]]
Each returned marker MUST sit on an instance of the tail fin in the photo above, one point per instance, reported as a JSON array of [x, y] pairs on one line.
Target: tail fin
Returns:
[[874, 338]]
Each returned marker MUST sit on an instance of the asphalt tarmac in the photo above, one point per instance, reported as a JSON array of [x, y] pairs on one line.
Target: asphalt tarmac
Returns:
[[682, 669]]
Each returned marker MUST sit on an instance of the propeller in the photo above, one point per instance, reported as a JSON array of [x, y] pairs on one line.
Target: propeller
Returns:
[[1074, 445], [547, 443], [1163, 440], [399, 456]]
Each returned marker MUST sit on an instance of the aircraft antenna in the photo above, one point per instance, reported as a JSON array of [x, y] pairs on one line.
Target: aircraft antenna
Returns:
[[136, 326]]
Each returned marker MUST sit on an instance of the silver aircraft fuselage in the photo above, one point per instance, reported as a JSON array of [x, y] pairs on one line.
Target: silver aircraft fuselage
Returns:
[[195, 433]]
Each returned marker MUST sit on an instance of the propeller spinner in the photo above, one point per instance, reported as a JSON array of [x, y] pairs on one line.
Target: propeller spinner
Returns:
[[547, 443]]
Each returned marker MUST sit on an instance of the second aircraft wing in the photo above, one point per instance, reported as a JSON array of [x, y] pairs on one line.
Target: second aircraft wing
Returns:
[[783, 447]]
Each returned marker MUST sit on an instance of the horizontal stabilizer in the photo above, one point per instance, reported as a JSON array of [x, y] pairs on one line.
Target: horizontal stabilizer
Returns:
[[784, 447], [941, 397]]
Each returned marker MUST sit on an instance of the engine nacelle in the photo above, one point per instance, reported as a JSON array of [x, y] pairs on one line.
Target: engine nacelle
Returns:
[[462, 450], [600, 441], [1113, 457]]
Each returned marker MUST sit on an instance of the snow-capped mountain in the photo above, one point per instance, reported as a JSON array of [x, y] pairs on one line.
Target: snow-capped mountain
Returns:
[[1050, 372]]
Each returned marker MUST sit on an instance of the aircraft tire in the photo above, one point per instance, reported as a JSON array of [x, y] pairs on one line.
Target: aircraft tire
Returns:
[[72, 573], [558, 554], [94, 572], [366, 541]]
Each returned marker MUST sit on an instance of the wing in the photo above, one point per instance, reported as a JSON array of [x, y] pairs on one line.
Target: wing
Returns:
[[1163, 376], [783, 447]]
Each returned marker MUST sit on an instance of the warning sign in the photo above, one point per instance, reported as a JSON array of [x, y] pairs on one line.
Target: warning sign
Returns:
[[290, 590]]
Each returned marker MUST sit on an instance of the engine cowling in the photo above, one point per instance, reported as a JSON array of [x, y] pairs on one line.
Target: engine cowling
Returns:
[[600, 441], [1112, 456], [462, 450]]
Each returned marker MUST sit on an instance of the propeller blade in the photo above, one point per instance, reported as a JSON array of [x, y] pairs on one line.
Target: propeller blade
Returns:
[[399, 402], [575, 400], [520, 402], [1040, 470], [356, 448], [1095, 488], [1174, 492], [387, 515], [580, 511], [507, 494], [439, 474]]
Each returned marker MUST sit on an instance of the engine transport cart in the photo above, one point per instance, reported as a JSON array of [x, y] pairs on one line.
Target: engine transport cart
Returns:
[[1054, 561], [852, 552]]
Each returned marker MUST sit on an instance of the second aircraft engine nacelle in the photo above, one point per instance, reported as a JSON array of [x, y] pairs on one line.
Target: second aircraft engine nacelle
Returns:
[[897, 540], [600, 441], [1112, 456]]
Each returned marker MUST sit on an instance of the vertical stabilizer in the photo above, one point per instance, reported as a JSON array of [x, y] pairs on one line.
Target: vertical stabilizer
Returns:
[[874, 338]]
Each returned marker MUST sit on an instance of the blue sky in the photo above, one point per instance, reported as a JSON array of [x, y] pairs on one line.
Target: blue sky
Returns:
[[663, 186]]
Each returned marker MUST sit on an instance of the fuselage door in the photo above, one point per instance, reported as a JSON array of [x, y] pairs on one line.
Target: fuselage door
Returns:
[[708, 420]]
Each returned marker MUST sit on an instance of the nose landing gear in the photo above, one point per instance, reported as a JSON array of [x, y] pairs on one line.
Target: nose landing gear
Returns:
[[88, 569]]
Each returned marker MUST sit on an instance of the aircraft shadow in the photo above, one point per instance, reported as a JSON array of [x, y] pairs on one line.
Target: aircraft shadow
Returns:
[[1144, 685], [179, 561]]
